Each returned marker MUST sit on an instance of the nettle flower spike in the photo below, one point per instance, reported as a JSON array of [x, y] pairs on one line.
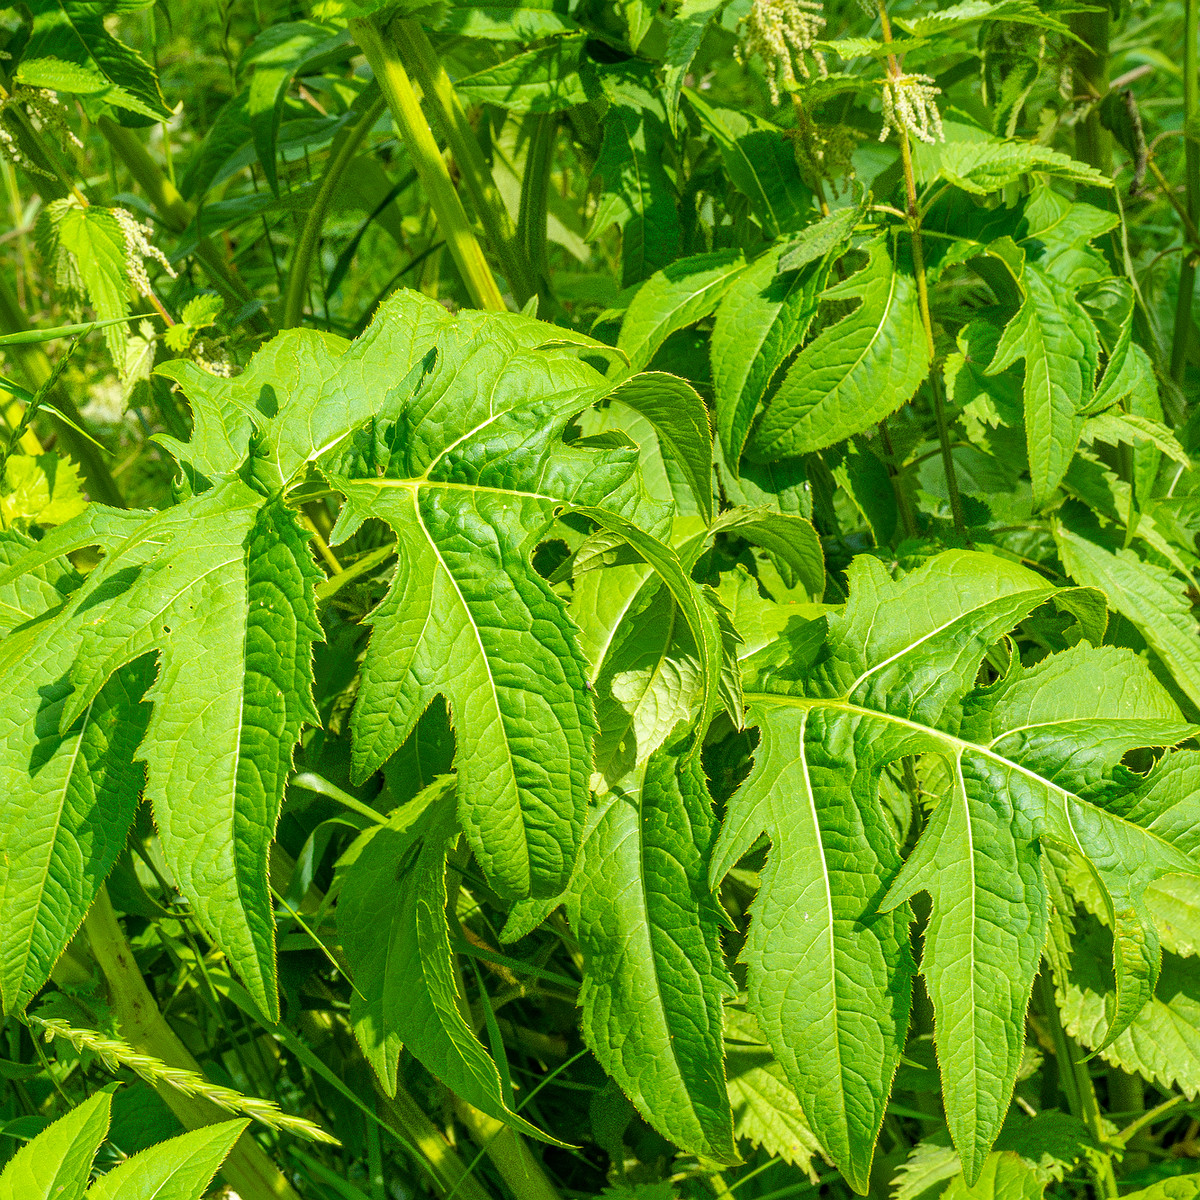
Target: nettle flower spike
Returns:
[[138, 248], [781, 33], [48, 113], [909, 107]]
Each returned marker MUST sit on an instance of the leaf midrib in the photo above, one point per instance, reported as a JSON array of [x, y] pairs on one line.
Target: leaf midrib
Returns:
[[958, 746]]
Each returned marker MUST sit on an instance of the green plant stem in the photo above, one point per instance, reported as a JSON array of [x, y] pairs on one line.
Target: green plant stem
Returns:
[[449, 1172], [1182, 333], [36, 367], [1076, 1083], [1093, 143], [247, 1169], [421, 60], [918, 253], [535, 191], [429, 164], [177, 214], [310, 233], [511, 1157]]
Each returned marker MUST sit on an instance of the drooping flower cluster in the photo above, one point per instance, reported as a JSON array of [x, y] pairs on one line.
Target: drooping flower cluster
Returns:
[[46, 111], [138, 248], [781, 33], [909, 107]]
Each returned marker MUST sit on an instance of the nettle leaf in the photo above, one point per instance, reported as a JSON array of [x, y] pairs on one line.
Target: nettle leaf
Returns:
[[1163, 1041], [760, 162], [1147, 595], [763, 318], [654, 975], [278, 55], [678, 296], [856, 371], [1061, 349], [688, 27], [549, 79], [1031, 758], [180, 1168], [70, 49], [766, 1112], [55, 1165], [968, 12], [392, 920], [981, 167], [638, 196]]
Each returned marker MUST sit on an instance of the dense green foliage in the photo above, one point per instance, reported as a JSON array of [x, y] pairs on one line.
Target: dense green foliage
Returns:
[[599, 599]]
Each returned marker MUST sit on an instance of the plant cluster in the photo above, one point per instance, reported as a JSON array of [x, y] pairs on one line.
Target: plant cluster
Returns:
[[598, 599]]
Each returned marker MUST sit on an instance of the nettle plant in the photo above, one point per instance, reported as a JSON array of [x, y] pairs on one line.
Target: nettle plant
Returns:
[[753, 703]]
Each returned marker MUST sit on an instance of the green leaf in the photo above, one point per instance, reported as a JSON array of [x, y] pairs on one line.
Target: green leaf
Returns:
[[680, 419], [178, 1169], [40, 488], [791, 539], [392, 921], [478, 474], [508, 23], [278, 55], [688, 27], [653, 970], [551, 78], [56, 1164], [760, 164], [853, 373], [1181, 1187], [1147, 595], [827, 964], [1061, 351], [987, 166], [967, 12], [763, 318], [766, 1112], [70, 49], [678, 296], [638, 195], [1004, 1176], [87, 249], [1163, 1042], [221, 588]]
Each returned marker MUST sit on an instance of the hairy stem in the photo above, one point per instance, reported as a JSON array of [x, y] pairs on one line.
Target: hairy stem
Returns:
[[1191, 115], [1093, 143], [449, 1172], [535, 191], [247, 1169], [421, 60], [429, 164], [35, 366], [918, 253], [511, 1157], [297, 280]]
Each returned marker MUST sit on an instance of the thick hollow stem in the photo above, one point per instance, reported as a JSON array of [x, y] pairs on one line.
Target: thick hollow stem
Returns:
[[429, 165], [1191, 115], [421, 60], [297, 280], [247, 1169]]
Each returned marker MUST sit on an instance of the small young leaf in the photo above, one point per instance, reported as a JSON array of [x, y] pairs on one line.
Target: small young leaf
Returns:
[[177, 1169], [56, 1164]]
